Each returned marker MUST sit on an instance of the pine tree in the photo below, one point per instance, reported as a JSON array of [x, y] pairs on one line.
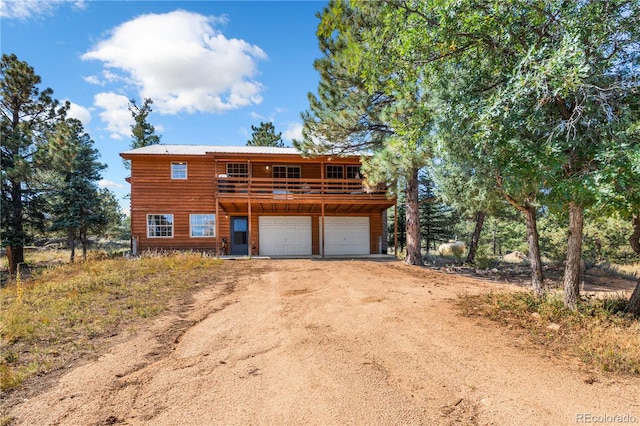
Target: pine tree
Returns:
[[402, 225], [27, 115], [113, 223], [265, 135], [436, 223], [143, 133], [77, 207], [368, 105]]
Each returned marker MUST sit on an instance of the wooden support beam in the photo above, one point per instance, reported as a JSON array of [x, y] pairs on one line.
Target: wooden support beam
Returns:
[[395, 230]]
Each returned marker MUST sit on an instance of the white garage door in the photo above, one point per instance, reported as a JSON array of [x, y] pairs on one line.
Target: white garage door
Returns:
[[285, 235], [346, 236]]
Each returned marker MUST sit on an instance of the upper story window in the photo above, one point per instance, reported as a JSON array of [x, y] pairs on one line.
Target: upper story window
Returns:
[[178, 170], [335, 172], [286, 172], [339, 171], [160, 225], [353, 172], [237, 169]]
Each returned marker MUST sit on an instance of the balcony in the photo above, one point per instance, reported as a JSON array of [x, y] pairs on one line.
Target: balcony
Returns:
[[292, 189], [301, 194]]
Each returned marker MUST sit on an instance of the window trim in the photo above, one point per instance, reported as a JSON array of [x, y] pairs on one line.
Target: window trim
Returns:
[[163, 215], [233, 174], [192, 226], [173, 172], [287, 167], [337, 167], [358, 174]]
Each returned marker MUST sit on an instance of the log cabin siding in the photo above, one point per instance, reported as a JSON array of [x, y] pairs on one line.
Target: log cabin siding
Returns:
[[376, 233], [154, 192]]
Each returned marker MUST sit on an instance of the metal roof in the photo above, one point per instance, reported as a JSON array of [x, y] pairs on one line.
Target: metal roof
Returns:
[[160, 149]]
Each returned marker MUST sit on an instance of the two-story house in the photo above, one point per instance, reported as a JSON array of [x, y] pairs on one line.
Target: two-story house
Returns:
[[245, 200]]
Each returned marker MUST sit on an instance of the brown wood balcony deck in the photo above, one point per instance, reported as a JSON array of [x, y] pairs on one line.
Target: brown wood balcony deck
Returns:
[[298, 189]]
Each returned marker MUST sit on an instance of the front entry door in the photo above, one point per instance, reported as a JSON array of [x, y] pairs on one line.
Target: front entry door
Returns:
[[239, 236]]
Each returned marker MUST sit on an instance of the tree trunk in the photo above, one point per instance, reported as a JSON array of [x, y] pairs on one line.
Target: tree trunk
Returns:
[[475, 239], [572, 270], [633, 306], [414, 251], [634, 239], [533, 240], [17, 228], [427, 236], [17, 253], [72, 247], [84, 242], [495, 237]]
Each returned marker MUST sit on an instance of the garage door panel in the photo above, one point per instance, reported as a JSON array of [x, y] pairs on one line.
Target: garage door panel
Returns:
[[347, 236], [285, 235]]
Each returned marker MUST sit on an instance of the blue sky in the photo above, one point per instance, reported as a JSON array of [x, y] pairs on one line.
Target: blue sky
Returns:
[[212, 68]]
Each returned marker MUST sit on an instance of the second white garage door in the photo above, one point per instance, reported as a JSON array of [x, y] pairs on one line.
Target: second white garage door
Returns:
[[285, 235], [346, 236]]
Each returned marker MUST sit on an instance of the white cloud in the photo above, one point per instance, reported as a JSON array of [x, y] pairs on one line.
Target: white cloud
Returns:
[[79, 112], [113, 77], [79, 4], [31, 9], [182, 62], [115, 113], [104, 183], [294, 131], [108, 77], [25, 9], [92, 79]]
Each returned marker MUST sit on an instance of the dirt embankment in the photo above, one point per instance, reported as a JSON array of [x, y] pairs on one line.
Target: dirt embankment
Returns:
[[330, 342]]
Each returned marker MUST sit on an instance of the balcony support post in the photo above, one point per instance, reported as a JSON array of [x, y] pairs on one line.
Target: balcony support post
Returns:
[[322, 227], [322, 193], [216, 192], [395, 229]]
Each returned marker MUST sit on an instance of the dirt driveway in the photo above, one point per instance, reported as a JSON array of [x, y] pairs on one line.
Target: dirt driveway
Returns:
[[330, 343]]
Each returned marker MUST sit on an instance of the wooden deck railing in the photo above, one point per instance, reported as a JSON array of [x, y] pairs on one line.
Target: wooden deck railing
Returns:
[[292, 189]]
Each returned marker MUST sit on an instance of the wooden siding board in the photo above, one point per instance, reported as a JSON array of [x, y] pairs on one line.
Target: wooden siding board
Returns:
[[375, 224]]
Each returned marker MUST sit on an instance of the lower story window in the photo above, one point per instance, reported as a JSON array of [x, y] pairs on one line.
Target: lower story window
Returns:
[[160, 225], [203, 225]]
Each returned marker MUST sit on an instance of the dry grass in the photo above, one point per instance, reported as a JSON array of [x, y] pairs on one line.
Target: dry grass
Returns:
[[631, 269], [599, 332], [61, 312]]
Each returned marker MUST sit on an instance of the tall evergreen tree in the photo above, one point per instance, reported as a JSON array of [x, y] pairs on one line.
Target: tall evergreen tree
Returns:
[[265, 135], [345, 116], [435, 217], [369, 105], [27, 115], [113, 222], [77, 207], [143, 133]]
